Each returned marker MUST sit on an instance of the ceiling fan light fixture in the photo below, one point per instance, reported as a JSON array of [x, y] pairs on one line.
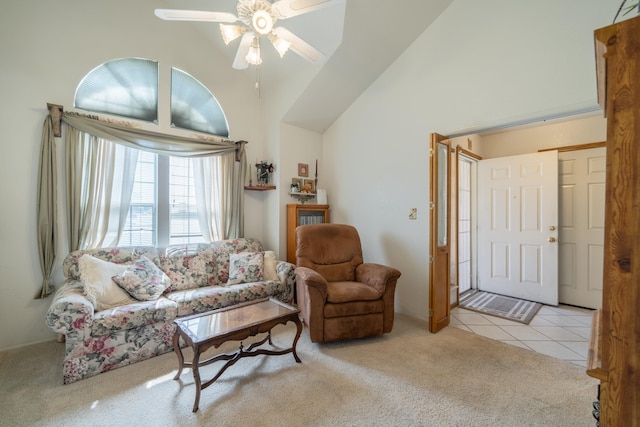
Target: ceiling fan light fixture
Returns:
[[280, 44], [262, 21], [253, 57], [231, 32]]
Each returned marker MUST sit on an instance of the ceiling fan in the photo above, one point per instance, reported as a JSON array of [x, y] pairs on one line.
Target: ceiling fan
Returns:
[[257, 18]]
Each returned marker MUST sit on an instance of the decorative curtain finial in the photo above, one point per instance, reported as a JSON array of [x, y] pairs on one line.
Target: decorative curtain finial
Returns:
[[240, 150], [55, 111]]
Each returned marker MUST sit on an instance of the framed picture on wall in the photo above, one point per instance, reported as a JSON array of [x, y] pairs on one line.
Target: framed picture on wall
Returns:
[[303, 169], [310, 185], [296, 185]]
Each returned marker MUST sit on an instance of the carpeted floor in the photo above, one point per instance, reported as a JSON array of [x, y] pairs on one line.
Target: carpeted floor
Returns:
[[407, 378]]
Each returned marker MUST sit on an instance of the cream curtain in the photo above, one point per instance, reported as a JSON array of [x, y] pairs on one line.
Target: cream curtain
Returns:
[[100, 155], [99, 178], [216, 179], [46, 207]]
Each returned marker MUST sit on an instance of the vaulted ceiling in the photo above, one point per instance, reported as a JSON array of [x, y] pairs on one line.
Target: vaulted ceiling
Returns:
[[360, 38]]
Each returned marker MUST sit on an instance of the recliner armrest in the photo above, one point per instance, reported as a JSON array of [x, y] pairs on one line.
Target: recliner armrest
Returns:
[[376, 275], [312, 278]]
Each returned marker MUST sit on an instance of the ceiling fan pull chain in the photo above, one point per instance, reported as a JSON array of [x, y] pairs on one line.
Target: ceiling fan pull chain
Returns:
[[258, 80]]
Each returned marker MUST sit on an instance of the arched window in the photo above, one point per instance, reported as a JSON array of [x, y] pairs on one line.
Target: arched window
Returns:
[[129, 87], [123, 87], [194, 107], [163, 205]]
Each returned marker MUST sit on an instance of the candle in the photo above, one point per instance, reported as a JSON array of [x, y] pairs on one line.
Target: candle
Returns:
[[316, 167]]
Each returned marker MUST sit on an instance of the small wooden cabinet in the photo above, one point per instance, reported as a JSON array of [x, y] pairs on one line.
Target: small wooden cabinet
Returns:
[[302, 215]]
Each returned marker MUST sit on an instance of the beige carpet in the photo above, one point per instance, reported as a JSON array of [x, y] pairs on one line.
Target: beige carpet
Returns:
[[407, 378]]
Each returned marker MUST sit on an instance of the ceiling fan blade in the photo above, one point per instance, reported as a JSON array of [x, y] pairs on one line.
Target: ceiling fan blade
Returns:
[[194, 15], [289, 8], [240, 61], [299, 46]]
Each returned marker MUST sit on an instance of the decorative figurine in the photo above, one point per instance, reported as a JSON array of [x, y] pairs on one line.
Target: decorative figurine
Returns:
[[263, 172]]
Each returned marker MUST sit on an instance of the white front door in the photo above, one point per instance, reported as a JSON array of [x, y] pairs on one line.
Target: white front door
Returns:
[[518, 226], [582, 195]]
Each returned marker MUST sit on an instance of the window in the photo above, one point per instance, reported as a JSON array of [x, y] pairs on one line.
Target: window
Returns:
[[163, 207], [183, 213], [178, 203], [124, 87]]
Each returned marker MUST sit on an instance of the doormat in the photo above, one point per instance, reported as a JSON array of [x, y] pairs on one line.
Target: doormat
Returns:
[[510, 308]]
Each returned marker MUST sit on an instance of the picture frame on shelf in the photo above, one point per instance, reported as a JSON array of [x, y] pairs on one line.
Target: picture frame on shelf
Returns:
[[311, 183], [296, 183], [303, 169]]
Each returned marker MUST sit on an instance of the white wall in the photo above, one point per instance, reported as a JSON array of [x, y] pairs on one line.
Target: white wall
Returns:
[[302, 146], [531, 139], [46, 49], [479, 64]]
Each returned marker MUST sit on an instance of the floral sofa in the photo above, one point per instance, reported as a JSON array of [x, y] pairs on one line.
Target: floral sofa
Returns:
[[102, 334]]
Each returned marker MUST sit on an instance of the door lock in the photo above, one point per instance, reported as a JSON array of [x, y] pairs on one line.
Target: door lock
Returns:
[[552, 228]]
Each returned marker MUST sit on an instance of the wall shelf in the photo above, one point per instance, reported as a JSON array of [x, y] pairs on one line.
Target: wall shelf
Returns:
[[302, 197], [262, 187]]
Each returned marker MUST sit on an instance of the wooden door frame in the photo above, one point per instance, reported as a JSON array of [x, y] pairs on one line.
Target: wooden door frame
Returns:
[[439, 310]]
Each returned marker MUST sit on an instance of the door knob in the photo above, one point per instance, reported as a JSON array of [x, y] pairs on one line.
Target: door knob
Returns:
[[551, 239], [552, 228]]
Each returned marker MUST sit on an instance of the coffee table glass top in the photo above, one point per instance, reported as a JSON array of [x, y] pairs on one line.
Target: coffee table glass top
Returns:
[[223, 321]]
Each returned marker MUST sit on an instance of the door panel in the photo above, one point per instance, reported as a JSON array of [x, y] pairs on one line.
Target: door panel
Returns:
[[439, 233], [517, 226], [582, 194]]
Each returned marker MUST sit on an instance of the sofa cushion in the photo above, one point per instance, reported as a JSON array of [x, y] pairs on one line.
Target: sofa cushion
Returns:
[[132, 316], [143, 280], [116, 255], [245, 267], [200, 300], [270, 262], [222, 249], [189, 266], [98, 285]]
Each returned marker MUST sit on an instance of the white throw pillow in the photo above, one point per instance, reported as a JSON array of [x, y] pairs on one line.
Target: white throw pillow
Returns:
[[99, 288], [245, 267], [270, 261]]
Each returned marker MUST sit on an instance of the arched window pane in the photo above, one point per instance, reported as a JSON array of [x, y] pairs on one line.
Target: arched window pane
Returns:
[[194, 107], [124, 87]]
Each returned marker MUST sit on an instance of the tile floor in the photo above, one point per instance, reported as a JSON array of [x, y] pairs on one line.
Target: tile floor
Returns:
[[562, 332]]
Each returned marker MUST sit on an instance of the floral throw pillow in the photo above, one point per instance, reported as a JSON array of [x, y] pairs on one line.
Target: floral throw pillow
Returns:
[[143, 280], [245, 267]]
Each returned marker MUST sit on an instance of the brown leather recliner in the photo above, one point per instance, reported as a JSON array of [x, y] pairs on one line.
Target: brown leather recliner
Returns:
[[339, 296]]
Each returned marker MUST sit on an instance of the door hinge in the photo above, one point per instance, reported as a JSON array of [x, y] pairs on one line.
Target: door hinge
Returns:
[[432, 205], [430, 152], [431, 259], [430, 312]]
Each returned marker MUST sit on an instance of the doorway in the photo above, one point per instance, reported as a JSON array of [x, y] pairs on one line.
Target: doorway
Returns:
[[581, 191], [464, 218]]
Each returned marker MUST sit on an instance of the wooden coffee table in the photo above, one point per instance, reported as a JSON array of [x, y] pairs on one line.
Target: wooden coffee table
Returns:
[[235, 323]]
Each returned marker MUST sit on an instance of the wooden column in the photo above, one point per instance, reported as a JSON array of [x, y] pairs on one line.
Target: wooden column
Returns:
[[618, 65]]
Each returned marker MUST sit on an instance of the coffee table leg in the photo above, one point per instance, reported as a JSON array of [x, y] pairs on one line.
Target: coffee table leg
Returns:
[[178, 351], [295, 340], [196, 376]]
